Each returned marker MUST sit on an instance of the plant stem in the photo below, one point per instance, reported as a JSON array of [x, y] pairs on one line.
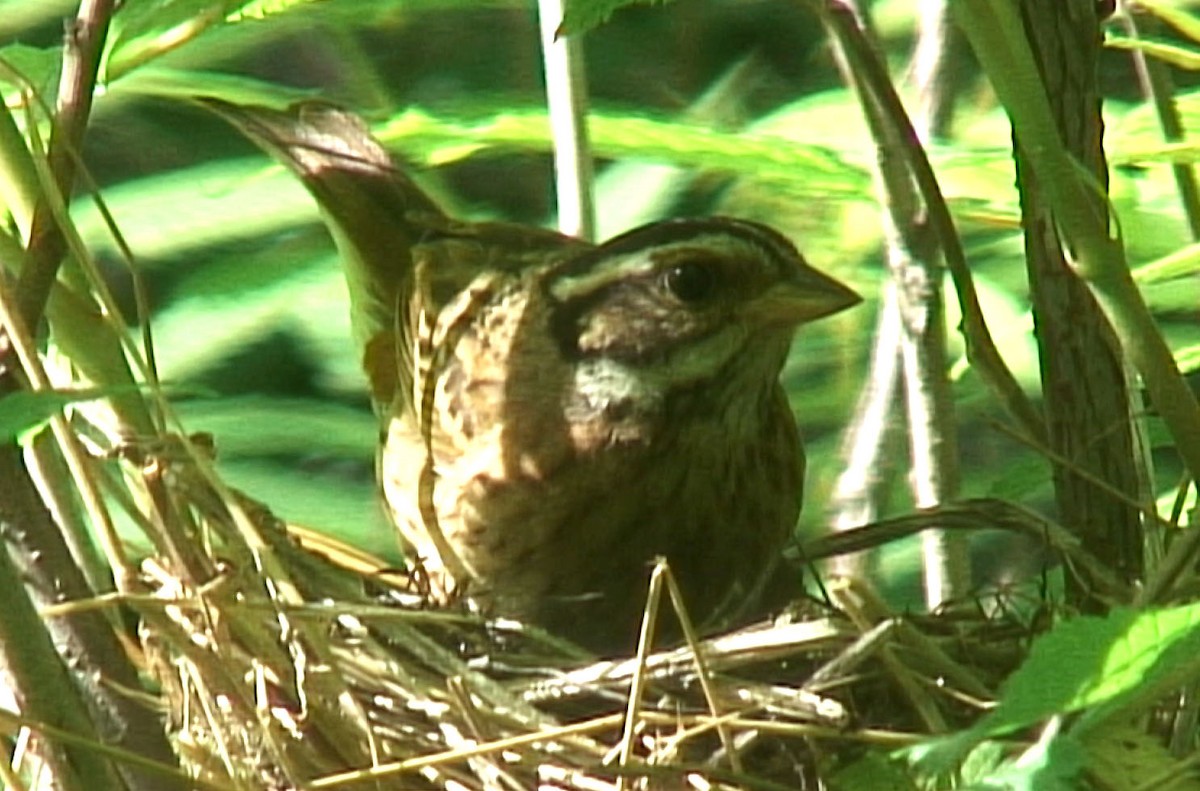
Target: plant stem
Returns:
[[566, 98]]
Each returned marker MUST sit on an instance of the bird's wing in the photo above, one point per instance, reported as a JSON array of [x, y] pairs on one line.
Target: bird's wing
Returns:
[[401, 254]]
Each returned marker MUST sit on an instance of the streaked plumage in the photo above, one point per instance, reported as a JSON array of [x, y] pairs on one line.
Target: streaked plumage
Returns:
[[562, 413]]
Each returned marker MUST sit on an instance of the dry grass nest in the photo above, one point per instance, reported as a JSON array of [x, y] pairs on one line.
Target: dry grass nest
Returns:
[[286, 662]]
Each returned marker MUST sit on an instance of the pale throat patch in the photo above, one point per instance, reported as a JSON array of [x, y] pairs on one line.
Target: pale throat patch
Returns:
[[603, 385], [625, 397]]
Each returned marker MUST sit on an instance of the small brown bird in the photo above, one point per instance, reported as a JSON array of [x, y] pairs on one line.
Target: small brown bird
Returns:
[[559, 413]]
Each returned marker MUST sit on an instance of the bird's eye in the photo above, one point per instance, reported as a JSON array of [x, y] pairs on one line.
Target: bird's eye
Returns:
[[691, 282]]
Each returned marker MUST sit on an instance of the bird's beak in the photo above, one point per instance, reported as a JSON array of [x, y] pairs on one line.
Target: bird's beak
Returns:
[[807, 296]]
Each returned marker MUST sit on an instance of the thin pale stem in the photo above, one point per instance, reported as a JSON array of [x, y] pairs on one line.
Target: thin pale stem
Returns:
[[566, 98], [916, 276]]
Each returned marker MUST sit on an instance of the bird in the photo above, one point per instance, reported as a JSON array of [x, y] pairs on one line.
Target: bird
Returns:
[[556, 414]]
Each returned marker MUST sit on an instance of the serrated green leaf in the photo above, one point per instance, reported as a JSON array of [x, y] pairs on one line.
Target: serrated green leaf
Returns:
[[166, 215], [1086, 662], [431, 140], [580, 16], [147, 29], [230, 27]]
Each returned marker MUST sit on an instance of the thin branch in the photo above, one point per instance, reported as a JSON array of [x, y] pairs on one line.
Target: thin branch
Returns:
[[915, 287], [852, 502], [981, 350], [81, 61]]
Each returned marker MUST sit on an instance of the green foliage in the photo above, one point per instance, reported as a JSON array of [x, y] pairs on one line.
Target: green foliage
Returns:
[[1089, 661], [246, 298], [874, 770], [1112, 667], [148, 29], [1183, 57], [805, 168], [237, 260], [38, 67], [24, 413], [580, 16]]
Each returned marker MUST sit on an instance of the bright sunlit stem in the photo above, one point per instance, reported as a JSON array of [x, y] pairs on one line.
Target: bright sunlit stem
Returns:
[[566, 99]]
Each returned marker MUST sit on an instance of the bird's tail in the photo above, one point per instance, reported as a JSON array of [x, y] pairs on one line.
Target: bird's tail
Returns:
[[374, 211]]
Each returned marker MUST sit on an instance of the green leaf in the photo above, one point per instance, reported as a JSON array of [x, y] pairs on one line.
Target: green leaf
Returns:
[[311, 460], [1052, 764], [874, 770], [1088, 661], [168, 83], [20, 16], [433, 140], [261, 9], [1126, 756], [1182, 57], [258, 426], [147, 29], [1173, 15], [1181, 263], [985, 759], [23, 67], [1085, 662], [1021, 482], [240, 301], [1188, 358], [580, 16], [24, 412], [326, 502], [18, 193], [1174, 153], [26, 66]]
